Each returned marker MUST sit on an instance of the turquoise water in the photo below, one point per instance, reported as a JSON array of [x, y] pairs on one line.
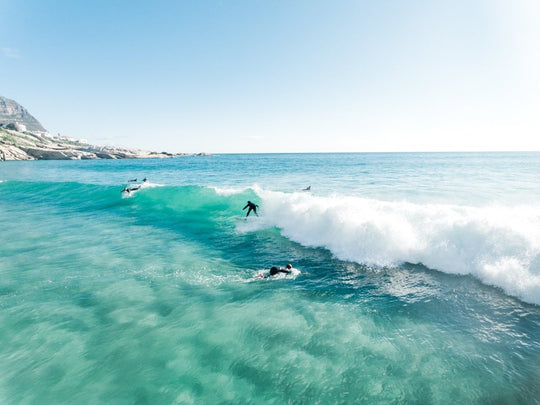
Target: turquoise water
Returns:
[[417, 280]]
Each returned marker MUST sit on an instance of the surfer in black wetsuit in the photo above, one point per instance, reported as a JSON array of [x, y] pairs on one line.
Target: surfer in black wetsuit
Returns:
[[129, 190], [251, 207], [276, 270]]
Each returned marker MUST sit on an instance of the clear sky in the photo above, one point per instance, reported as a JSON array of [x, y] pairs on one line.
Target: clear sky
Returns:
[[278, 75]]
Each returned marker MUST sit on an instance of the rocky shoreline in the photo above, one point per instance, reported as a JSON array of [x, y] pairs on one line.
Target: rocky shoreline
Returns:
[[22, 137], [26, 145]]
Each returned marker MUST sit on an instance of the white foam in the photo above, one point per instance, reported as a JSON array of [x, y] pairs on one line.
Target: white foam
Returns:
[[227, 191], [147, 184], [499, 245]]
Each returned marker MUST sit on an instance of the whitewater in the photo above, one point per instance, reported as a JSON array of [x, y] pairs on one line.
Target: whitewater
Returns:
[[416, 279], [498, 245]]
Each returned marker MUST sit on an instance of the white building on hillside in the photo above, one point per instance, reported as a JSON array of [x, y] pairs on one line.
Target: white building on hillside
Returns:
[[20, 127]]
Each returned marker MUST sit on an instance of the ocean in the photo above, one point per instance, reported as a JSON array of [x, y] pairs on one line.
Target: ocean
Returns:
[[416, 280]]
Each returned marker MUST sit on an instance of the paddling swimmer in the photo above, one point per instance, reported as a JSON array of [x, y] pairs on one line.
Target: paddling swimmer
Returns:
[[251, 207], [276, 270], [129, 190]]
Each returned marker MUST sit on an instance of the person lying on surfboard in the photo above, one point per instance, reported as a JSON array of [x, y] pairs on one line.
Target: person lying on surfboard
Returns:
[[129, 190], [275, 270]]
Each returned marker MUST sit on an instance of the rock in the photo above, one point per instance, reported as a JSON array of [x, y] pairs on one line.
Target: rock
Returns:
[[13, 113], [23, 138], [15, 145]]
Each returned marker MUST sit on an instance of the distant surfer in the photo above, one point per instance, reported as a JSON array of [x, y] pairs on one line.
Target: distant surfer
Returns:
[[308, 188], [252, 207], [129, 190], [276, 270], [132, 181]]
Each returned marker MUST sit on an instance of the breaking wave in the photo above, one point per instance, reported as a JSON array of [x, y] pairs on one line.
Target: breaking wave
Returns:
[[499, 245]]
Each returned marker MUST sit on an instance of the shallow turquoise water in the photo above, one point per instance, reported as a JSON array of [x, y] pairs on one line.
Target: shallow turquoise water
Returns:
[[418, 280]]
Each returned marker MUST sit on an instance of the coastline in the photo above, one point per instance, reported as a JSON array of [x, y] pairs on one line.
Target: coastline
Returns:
[[19, 145]]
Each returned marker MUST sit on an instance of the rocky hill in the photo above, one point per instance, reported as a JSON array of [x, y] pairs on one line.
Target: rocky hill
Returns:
[[17, 145], [22, 137], [13, 113]]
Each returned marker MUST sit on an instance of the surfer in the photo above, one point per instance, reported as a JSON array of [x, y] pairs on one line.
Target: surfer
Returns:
[[129, 190], [276, 270], [251, 207], [308, 188], [132, 180]]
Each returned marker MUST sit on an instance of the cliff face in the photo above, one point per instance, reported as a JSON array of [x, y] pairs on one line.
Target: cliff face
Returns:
[[32, 142], [13, 113]]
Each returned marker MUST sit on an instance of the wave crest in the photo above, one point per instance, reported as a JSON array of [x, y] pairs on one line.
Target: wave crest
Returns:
[[498, 245]]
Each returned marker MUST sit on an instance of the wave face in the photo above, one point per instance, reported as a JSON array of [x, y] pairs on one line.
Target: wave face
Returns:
[[498, 245]]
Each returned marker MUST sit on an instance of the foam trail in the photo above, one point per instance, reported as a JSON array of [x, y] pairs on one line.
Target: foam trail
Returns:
[[498, 245]]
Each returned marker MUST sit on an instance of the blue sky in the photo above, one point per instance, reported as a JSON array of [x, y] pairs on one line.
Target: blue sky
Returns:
[[278, 76]]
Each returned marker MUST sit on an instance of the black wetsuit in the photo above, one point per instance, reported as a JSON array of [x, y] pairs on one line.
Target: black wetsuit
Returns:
[[276, 270], [251, 207]]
